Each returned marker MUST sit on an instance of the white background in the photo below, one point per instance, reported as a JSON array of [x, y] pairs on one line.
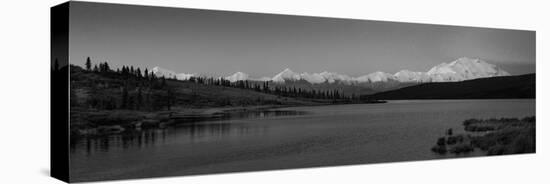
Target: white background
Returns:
[[24, 94]]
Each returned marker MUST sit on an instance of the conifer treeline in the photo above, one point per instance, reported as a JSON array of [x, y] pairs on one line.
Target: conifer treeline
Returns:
[[265, 87], [137, 90]]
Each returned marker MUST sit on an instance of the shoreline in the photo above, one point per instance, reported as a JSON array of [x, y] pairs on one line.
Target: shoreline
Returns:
[[108, 122]]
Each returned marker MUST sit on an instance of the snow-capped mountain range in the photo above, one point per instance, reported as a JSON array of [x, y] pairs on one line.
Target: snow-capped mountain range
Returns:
[[458, 70], [158, 71]]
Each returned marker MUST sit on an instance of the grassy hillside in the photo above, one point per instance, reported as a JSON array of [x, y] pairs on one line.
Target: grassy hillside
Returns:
[[522, 86], [87, 87]]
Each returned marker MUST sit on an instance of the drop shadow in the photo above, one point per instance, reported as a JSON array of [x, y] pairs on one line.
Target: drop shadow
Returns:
[[45, 171]]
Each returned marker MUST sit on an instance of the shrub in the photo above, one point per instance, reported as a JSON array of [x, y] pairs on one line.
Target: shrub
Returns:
[[463, 148], [450, 131], [441, 141], [441, 149]]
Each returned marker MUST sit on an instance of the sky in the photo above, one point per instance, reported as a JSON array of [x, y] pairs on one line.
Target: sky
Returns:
[[220, 43]]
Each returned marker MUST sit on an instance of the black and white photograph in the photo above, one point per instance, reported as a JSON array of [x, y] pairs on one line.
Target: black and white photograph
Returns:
[[157, 91], [274, 91]]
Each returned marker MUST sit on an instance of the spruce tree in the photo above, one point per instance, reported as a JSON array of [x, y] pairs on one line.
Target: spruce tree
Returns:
[[88, 64], [146, 74], [106, 67], [138, 73]]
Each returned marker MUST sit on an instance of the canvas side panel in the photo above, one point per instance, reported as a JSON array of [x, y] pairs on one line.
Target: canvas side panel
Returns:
[[59, 122]]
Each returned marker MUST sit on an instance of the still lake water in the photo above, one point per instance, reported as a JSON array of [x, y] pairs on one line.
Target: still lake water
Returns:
[[318, 136]]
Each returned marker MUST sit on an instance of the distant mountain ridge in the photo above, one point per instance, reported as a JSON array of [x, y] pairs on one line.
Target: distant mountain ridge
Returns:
[[459, 70]]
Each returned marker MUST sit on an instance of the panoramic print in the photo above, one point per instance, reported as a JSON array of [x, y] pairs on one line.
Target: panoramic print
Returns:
[[158, 91]]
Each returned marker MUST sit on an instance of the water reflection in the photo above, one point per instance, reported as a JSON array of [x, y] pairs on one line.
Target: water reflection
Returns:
[[192, 129], [237, 114], [131, 139], [262, 114]]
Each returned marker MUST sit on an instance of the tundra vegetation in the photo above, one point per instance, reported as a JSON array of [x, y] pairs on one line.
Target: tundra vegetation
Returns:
[[492, 136]]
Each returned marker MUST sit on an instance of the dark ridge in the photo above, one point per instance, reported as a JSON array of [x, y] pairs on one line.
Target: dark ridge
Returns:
[[508, 87]]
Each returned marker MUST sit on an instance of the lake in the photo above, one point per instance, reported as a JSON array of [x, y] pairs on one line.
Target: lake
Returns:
[[314, 136]]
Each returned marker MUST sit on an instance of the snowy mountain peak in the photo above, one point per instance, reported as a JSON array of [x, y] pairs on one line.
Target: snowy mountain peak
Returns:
[[464, 69], [286, 74], [411, 76], [314, 78], [377, 76], [263, 79], [332, 77], [466, 60], [238, 76], [159, 72]]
